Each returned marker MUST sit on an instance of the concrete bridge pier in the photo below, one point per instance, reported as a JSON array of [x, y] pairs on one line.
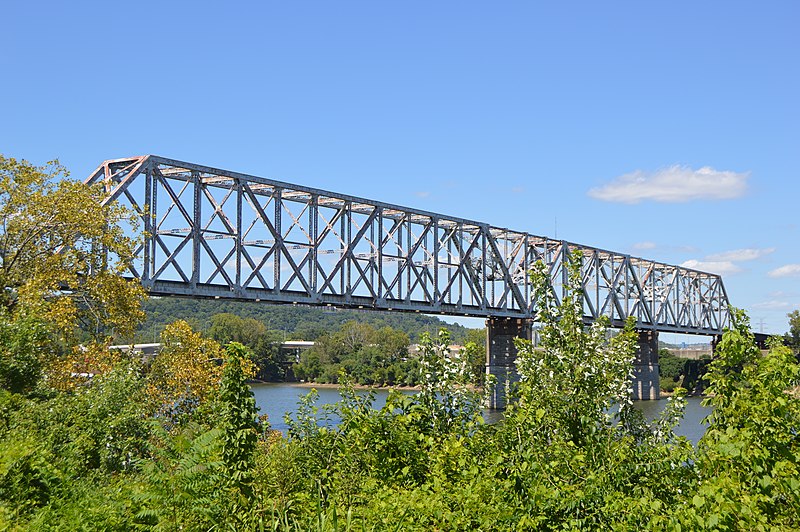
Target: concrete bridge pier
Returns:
[[501, 353], [646, 382]]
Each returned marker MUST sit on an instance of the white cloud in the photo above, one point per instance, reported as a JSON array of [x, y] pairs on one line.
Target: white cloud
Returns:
[[725, 263], [790, 270], [644, 245], [718, 267], [740, 255], [673, 185], [422, 194]]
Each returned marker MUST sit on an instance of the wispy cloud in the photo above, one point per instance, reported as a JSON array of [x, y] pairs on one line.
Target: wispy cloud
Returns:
[[775, 304], [647, 247], [674, 184], [740, 255], [725, 263], [789, 270], [777, 294], [724, 267], [422, 193], [686, 249]]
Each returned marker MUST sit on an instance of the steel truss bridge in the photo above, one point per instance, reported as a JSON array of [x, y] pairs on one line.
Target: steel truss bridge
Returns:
[[218, 234]]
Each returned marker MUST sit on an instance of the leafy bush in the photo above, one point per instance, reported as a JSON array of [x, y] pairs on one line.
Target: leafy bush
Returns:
[[27, 477], [570, 454], [749, 459], [669, 366], [668, 385]]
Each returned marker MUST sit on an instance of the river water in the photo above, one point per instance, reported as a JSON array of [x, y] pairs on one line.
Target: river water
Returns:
[[276, 399]]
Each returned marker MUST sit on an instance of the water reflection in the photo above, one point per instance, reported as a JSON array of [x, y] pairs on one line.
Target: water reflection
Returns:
[[691, 425]]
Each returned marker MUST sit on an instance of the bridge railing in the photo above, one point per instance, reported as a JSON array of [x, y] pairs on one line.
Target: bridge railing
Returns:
[[214, 233]]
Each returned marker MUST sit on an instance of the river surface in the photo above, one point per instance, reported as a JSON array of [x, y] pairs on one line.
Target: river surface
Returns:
[[276, 399]]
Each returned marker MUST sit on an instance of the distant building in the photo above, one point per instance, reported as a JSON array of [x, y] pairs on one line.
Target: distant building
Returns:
[[291, 349], [289, 353], [145, 351], [452, 350]]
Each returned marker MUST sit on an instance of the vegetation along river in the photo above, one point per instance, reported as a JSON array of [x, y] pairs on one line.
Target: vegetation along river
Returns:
[[275, 399]]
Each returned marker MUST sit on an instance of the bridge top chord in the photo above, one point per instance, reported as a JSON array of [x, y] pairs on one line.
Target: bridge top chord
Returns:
[[218, 234]]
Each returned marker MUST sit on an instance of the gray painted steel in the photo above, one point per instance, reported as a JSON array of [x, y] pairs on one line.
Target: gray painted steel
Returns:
[[214, 233]]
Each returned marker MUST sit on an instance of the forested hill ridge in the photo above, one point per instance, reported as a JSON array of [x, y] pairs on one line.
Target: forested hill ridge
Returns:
[[297, 321]]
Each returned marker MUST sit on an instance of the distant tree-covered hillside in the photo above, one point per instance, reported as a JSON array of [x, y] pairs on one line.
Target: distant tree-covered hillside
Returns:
[[296, 321]]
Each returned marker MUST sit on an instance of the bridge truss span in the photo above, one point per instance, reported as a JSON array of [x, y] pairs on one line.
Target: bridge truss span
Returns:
[[220, 234]]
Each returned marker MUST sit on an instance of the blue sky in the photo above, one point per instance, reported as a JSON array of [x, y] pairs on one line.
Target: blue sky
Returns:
[[664, 130]]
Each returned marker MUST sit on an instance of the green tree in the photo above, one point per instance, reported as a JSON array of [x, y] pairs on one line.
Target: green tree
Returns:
[[23, 348], [448, 403], [308, 331], [270, 362], [575, 453], [61, 253], [392, 344], [182, 482], [748, 462], [353, 335], [263, 344], [328, 349], [239, 428], [578, 374], [186, 372], [793, 336], [670, 366], [62, 250], [475, 351], [228, 327]]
